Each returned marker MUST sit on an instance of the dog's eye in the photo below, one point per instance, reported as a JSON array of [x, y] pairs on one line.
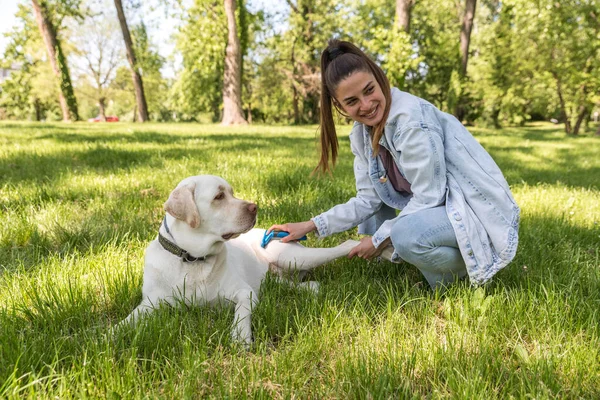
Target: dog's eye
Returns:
[[220, 196]]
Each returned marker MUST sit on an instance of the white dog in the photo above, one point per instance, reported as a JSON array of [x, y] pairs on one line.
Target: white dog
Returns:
[[206, 250]]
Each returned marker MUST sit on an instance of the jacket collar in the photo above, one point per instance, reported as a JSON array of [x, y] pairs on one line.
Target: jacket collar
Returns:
[[396, 106]]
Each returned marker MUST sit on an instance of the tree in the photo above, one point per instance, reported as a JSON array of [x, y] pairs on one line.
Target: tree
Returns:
[[465, 34], [403, 12], [136, 76], [156, 88], [26, 94], [311, 23], [496, 69], [232, 78], [401, 49], [67, 99], [465, 40], [561, 41], [303, 61], [99, 50], [201, 41]]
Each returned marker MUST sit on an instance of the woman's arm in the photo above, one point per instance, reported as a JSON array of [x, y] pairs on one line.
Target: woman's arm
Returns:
[[359, 208], [343, 216]]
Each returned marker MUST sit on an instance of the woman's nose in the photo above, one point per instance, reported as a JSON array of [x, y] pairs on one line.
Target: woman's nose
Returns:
[[364, 103]]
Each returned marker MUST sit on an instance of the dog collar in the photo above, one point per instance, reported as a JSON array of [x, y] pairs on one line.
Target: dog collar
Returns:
[[174, 249]]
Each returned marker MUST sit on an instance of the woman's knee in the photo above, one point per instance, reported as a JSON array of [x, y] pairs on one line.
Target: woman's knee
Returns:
[[405, 240]]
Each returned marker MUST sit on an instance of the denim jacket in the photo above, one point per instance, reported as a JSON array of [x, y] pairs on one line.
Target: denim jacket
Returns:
[[444, 165]]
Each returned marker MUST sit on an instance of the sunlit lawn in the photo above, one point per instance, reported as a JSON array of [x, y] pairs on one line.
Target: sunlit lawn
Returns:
[[79, 203]]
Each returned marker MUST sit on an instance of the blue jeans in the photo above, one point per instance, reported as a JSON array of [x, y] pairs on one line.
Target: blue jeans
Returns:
[[426, 240]]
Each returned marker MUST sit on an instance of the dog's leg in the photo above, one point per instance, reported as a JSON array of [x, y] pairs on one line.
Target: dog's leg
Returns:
[[245, 300], [145, 308], [290, 256], [387, 253]]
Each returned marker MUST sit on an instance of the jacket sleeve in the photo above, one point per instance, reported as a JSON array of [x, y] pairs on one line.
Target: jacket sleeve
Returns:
[[359, 208], [421, 158]]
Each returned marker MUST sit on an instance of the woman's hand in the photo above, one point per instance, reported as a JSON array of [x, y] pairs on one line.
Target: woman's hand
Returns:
[[366, 249], [295, 229]]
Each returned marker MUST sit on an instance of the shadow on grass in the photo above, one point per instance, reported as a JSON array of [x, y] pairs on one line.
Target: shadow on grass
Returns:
[[23, 167], [537, 131], [580, 171], [556, 246], [524, 156]]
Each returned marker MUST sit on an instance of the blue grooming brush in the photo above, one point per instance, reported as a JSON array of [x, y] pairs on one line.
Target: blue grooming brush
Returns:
[[275, 235]]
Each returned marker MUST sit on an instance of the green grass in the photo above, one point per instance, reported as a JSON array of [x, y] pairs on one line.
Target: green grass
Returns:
[[79, 203]]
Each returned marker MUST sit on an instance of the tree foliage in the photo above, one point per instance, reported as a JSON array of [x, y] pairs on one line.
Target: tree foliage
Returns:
[[30, 93], [49, 16], [527, 60], [201, 41], [156, 87], [99, 52]]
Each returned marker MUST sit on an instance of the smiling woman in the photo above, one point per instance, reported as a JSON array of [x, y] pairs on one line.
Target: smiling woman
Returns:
[[425, 186]]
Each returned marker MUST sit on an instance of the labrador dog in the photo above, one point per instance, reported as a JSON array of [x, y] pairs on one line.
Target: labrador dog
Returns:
[[207, 250]]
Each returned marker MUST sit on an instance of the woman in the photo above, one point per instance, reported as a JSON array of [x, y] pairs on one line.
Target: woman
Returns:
[[457, 216]]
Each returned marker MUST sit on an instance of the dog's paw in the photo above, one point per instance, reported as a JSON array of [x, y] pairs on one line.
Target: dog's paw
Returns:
[[242, 339], [311, 286]]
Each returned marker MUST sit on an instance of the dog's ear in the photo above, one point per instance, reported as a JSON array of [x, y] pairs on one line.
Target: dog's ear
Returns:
[[182, 206]]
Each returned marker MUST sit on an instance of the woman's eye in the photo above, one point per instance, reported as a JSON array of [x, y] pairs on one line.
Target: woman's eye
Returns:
[[370, 90], [220, 196]]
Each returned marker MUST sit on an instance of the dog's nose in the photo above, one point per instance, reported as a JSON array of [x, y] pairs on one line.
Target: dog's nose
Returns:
[[252, 208]]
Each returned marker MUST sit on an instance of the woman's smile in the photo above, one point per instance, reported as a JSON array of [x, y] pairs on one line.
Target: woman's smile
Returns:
[[360, 96], [372, 113]]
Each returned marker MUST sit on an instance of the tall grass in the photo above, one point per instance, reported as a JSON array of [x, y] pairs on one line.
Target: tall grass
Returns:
[[80, 202]]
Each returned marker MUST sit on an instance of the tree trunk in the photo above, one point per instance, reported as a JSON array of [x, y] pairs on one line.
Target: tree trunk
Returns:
[[102, 108], [242, 24], [66, 96], [138, 84], [465, 34], [563, 108], [595, 119], [465, 41], [583, 113], [232, 80], [38, 109], [403, 12], [295, 105], [249, 114]]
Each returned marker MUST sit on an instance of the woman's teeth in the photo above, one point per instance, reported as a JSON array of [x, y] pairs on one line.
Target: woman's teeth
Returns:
[[371, 114]]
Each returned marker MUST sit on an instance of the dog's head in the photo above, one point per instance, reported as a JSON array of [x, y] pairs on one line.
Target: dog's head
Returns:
[[206, 203]]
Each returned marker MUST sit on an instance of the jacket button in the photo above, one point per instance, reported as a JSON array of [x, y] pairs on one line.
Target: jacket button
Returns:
[[470, 253], [457, 217]]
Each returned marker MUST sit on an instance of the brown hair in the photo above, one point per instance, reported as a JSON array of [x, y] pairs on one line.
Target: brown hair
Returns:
[[338, 61]]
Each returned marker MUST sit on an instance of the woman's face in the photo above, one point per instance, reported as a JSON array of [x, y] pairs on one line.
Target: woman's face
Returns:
[[360, 96]]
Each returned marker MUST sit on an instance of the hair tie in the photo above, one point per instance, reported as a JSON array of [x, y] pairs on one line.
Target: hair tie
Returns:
[[334, 53]]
